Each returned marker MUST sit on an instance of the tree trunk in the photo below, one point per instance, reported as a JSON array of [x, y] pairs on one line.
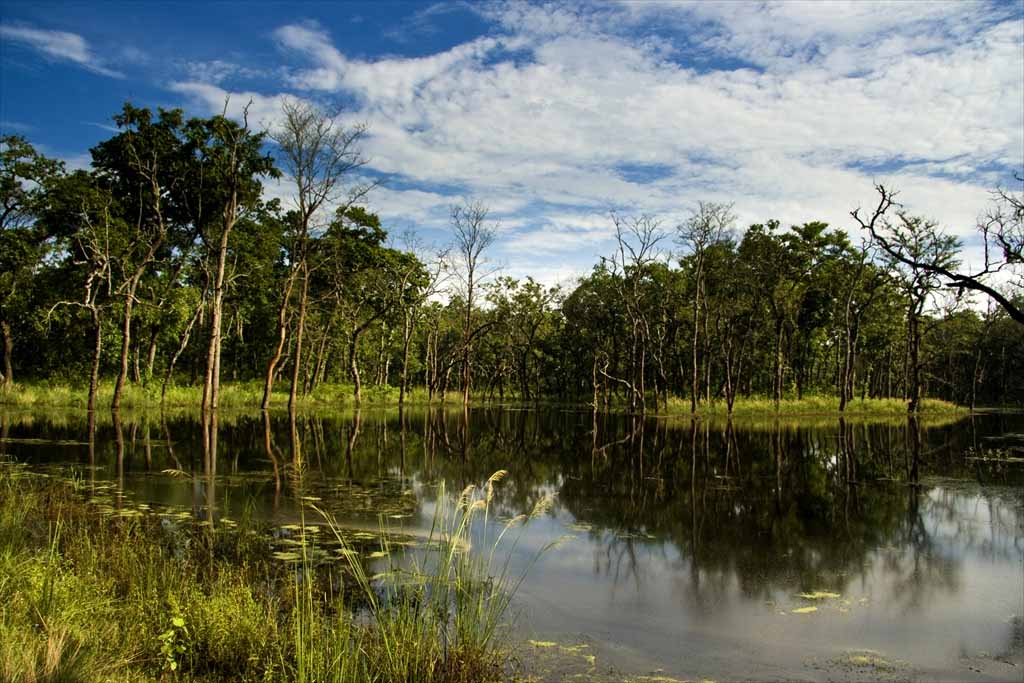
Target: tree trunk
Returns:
[[151, 352], [777, 388], [94, 373], [282, 339], [8, 378], [297, 361], [126, 340], [406, 340], [914, 376], [211, 388], [353, 363]]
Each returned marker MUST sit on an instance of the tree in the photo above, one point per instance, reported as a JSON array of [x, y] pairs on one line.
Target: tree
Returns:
[[474, 235], [231, 163], [706, 226], [416, 292], [25, 177], [860, 282], [921, 255], [83, 211], [145, 166], [319, 154], [1002, 232], [637, 249]]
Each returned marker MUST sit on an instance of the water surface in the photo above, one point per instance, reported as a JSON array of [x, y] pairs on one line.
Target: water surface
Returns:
[[688, 549]]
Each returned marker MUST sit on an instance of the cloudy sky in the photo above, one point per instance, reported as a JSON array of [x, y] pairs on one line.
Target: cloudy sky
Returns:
[[556, 115]]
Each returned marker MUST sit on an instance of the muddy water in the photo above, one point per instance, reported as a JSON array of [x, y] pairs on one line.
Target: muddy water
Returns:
[[811, 549]]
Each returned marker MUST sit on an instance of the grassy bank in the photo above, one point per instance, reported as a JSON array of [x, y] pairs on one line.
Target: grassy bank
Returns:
[[812, 405], [93, 595], [233, 395], [248, 395]]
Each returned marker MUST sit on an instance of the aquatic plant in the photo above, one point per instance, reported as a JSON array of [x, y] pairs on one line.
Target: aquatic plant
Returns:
[[91, 593]]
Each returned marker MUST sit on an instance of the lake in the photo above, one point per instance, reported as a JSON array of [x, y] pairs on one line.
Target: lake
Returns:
[[797, 549]]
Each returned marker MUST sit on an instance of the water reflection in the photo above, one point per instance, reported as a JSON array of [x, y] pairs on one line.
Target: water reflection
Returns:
[[687, 531]]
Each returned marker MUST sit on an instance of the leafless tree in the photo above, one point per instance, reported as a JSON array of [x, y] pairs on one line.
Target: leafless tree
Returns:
[[708, 224], [474, 235], [921, 255], [438, 272], [637, 241], [320, 155], [1002, 232]]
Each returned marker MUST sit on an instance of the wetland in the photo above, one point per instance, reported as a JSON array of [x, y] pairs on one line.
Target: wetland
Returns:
[[664, 549]]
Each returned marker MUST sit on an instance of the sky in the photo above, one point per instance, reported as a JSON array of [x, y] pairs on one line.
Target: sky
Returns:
[[554, 116]]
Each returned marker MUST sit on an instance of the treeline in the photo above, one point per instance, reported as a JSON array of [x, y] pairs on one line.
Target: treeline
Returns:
[[165, 263]]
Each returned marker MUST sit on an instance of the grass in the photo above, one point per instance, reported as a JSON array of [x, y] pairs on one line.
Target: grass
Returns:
[[248, 395], [233, 395], [811, 405], [87, 596]]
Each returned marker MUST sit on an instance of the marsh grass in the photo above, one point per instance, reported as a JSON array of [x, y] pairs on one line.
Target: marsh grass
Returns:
[[439, 611], [90, 596], [811, 406], [233, 395], [247, 396]]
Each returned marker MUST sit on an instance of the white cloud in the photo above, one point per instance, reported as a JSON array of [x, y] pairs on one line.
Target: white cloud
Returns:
[[217, 71], [539, 119], [58, 45]]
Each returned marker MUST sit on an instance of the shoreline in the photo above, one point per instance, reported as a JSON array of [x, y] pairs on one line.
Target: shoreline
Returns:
[[246, 397]]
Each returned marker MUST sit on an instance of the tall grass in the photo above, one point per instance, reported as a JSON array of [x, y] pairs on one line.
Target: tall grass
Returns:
[[437, 613], [233, 395], [86, 596], [809, 405], [248, 395]]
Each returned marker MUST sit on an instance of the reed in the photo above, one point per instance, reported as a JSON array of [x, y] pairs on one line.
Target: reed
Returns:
[[439, 612], [88, 595]]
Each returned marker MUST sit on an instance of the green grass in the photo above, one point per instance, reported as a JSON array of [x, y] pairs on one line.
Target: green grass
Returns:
[[248, 395], [91, 596], [233, 395], [811, 405]]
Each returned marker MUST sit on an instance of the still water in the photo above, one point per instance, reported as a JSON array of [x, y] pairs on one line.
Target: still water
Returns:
[[797, 549]]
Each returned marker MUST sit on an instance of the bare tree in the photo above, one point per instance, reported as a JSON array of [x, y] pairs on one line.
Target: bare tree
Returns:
[[319, 154], [1002, 232], [637, 248], [437, 274], [708, 224], [473, 236], [921, 255], [90, 244]]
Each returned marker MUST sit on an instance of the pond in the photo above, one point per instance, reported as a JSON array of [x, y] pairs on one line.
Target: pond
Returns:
[[797, 549]]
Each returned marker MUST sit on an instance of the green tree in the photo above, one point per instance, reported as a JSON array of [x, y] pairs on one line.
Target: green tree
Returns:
[[25, 177]]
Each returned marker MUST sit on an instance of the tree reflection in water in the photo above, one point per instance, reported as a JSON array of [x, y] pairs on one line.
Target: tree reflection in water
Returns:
[[720, 510]]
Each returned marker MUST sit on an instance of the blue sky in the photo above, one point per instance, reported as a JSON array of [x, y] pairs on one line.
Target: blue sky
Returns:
[[555, 115]]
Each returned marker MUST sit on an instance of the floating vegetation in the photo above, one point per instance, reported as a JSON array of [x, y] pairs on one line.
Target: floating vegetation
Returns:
[[870, 660], [819, 595]]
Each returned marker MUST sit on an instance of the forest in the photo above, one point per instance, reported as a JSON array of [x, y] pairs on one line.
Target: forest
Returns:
[[165, 265]]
